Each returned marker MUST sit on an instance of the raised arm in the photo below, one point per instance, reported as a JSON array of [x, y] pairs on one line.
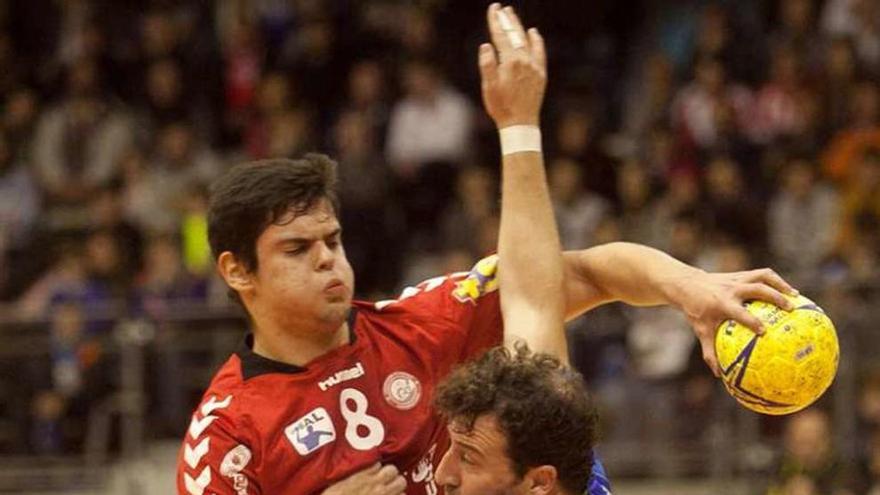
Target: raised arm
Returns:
[[513, 70], [642, 276]]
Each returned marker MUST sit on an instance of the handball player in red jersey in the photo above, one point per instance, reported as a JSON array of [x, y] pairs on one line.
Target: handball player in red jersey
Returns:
[[329, 395]]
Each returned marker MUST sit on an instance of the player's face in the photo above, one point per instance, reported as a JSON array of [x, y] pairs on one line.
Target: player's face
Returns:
[[303, 278], [477, 462]]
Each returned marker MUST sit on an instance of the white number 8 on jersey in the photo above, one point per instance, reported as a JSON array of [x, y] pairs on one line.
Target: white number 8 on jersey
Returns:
[[358, 417]]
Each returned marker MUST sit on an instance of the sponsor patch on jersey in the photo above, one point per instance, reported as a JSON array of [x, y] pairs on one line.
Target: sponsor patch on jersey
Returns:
[[479, 281], [402, 390], [232, 466], [311, 432]]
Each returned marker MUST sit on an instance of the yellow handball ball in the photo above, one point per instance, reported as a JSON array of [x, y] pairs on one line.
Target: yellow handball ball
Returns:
[[787, 368]]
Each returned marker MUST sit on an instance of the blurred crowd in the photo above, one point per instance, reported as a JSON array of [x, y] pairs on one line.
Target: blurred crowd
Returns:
[[730, 134]]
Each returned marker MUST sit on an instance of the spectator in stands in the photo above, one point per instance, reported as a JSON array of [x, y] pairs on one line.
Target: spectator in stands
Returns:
[[67, 274], [367, 96], [647, 103], [716, 38], [108, 278], [432, 123], [290, 133], [181, 161], [19, 201], [688, 238], [164, 292], [140, 197], [665, 157], [416, 32], [19, 119], [164, 283], [578, 211], [272, 100], [161, 35], [243, 61], [811, 130], [731, 137], [802, 220], [164, 100], [76, 382], [809, 461], [840, 74], [79, 141], [869, 402], [860, 196], [799, 485], [474, 203], [681, 195], [730, 209], [861, 134], [861, 259], [871, 464], [858, 20], [577, 137], [634, 198], [428, 140], [796, 32], [13, 68], [369, 212], [695, 105], [312, 52], [107, 212], [777, 112]]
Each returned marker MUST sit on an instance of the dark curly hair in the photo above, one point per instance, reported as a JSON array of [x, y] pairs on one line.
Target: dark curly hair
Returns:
[[254, 195], [542, 406]]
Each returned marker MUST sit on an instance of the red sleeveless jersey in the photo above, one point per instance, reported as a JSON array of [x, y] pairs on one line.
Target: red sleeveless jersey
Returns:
[[265, 427]]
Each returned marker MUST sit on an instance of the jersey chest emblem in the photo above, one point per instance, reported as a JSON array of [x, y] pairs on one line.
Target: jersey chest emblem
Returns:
[[402, 390], [311, 432]]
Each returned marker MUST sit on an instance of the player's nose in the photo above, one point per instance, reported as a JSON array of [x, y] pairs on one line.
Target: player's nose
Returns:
[[446, 474], [326, 257]]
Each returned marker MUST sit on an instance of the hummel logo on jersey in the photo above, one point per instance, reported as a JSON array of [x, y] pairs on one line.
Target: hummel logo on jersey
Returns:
[[355, 371], [311, 432]]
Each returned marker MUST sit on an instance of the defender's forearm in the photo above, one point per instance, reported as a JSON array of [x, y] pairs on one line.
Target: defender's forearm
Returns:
[[530, 262]]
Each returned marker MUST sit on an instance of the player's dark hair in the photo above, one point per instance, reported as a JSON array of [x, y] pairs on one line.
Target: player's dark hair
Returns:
[[542, 406], [251, 196]]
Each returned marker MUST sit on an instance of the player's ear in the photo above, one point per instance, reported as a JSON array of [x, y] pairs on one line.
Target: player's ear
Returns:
[[541, 480], [234, 272]]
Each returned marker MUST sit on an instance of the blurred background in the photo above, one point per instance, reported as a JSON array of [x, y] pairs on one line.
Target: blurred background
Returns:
[[731, 134]]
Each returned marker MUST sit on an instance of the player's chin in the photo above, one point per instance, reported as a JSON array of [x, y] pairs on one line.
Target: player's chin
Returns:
[[338, 309], [340, 297]]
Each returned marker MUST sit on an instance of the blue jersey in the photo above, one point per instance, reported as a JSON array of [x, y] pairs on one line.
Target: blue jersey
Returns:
[[599, 484]]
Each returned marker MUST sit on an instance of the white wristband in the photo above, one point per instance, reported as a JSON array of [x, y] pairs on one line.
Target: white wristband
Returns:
[[519, 138]]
